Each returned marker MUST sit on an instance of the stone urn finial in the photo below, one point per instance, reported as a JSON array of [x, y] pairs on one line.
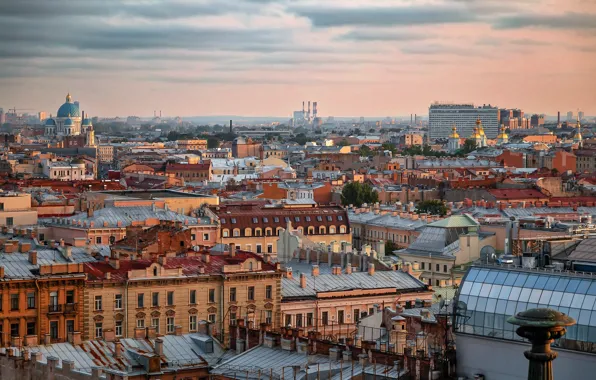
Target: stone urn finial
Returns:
[[541, 327]]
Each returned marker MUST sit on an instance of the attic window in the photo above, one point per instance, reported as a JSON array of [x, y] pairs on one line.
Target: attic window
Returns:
[[329, 218], [233, 220], [339, 217], [319, 218], [276, 219], [307, 218], [265, 220], [223, 220], [155, 271], [255, 220]]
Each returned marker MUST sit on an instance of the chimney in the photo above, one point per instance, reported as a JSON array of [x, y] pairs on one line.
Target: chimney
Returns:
[[117, 350], [289, 273], [158, 347], [315, 270], [302, 280], [62, 242], [178, 330], [232, 249], [363, 359], [371, 269], [162, 260], [231, 127], [206, 258], [349, 268], [47, 339], [89, 211], [1, 272], [33, 257]]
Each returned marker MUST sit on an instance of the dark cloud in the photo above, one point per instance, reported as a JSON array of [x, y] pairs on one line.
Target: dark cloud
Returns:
[[384, 35], [569, 20], [385, 16]]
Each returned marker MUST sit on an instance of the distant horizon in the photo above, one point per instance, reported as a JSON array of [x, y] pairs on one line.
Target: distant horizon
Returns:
[[248, 57]]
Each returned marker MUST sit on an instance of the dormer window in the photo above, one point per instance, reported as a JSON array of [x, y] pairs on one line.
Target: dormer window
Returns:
[[155, 271]]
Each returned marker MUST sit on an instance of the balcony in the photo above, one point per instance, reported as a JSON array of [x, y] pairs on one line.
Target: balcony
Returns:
[[69, 308]]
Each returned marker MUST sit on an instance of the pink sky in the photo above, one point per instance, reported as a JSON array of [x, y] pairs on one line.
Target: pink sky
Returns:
[[259, 57]]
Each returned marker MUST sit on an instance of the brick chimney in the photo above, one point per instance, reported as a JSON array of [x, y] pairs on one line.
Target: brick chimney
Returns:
[[348, 268], [371, 269], [302, 280], [288, 273], [117, 350], [33, 257], [232, 249], [158, 347], [315, 270]]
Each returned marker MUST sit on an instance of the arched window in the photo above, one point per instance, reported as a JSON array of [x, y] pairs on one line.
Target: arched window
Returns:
[[311, 230], [225, 233], [331, 229], [322, 230], [278, 231], [236, 232], [268, 231], [247, 231], [342, 229], [258, 232]]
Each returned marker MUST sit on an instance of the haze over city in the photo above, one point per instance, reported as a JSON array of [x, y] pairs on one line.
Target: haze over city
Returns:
[[262, 58]]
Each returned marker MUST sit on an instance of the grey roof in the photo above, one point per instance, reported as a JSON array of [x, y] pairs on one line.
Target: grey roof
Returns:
[[436, 241], [528, 211], [433, 310], [126, 215], [585, 251], [17, 265], [387, 220], [179, 351], [342, 282]]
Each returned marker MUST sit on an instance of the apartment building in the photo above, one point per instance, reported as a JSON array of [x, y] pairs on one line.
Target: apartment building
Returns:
[[198, 144], [15, 210], [442, 117], [175, 293]]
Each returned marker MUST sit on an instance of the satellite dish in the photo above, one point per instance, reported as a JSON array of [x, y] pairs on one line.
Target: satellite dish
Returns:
[[488, 255]]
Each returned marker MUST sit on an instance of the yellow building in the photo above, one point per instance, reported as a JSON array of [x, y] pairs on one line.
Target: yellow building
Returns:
[[123, 298], [15, 210]]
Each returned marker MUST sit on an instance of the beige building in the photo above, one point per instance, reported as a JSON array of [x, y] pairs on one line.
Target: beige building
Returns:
[[444, 246], [15, 210], [192, 144], [123, 298], [105, 153]]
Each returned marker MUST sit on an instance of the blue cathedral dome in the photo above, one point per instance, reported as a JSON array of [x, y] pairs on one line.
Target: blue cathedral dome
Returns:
[[69, 109], [50, 122], [68, 122], [87, 123]]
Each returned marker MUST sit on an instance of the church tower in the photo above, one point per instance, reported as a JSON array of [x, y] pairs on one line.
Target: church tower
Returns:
[[454, 142], [577, 139], [502, 138]]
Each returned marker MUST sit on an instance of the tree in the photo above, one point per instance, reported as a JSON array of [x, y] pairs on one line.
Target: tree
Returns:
[[469, 146], [300, 138], [343, 142], [365, 151], [432, 207], [390, 147], [390, 246], [356, 193], [212, 142]]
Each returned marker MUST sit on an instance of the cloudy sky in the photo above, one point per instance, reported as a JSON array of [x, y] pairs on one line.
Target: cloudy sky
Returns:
[[263, 57]]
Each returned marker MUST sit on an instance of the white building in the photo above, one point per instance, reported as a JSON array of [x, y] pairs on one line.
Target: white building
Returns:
[[442, 117], [65, 171], [454, 143]]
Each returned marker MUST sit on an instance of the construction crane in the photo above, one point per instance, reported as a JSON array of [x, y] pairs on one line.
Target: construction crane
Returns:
[[18, 118]]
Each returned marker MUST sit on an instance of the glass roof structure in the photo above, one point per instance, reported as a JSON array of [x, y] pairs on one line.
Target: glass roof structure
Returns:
[[489, 295]]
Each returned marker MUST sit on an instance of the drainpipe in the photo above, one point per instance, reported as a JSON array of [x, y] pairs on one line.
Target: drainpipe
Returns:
[[126, 307], [221, 309], [38, 309]]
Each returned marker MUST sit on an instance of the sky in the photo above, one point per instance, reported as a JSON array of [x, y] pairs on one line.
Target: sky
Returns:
[[264, 57]]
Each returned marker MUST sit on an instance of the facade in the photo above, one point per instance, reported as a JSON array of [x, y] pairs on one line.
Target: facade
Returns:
[[15, 210], [41, 292], [105, 153], [331, 292], [191, 172], [370, 227], [66, 171], [242, 147], [175, 293], [454, 140], [192, 144], [256, 226], [443, 116], [216, 153], [488, 295], [585, 160]]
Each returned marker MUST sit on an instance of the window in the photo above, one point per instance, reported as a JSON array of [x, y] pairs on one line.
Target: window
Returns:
[[98, 330], [269, 292], [437, 282], [14, 302], [269, 248], [265, 220], [288, 320], [140, 300], [340, 317], [438, 267], [155, 324], [371, 311], [112, 239], [356, 314], [31, 328], [98, 303], [329, 218], [205, 237], [325, 318], [211, 318], [268, 316], [192, 299], [141, 323], [233, 220], [276, 219], [70, 325], [251, 293], [259, 248], [14, 329], [170, 299], [445, 268], [232, 294], [422, 265], [307, 218], [298, 320], [98, 240], [249, 247], [223, 220], [296, 218], [339, 217], [211, 295], [118, 329], [30, 300], [155, 299], [9, 221], [118, 301], [236, 233], [309, 317], [255, 220], [70, 296], [226, 233], [319, 218], [193, 237], [233, 319], [192, 323]]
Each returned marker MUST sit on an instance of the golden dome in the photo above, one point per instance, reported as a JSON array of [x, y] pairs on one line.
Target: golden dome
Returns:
[[68, 98], [476, 135], [454, 134], [502, 135]]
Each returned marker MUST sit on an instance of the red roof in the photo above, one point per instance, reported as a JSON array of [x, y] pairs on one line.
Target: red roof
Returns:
[[190, 265], [206, 165], [516, 194]]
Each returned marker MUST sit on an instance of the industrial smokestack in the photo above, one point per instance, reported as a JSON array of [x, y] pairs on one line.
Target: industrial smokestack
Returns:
[[558, 117], [160, 114], [231, 126], [411, 119], [303, 110], [314, 109], [309, 107], [415, 119]]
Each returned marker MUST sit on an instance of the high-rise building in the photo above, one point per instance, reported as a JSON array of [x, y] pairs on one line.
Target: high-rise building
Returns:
[[581, 115], [570, 116], [537, 120], [442, 117], [2, 116]]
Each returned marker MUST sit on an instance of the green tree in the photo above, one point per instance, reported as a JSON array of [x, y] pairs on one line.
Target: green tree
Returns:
[[343, 142], [300, 138], [365, 151], [433, 207], [469, 146], [390, 246], [390, 147], [356, 193], [212, 142]]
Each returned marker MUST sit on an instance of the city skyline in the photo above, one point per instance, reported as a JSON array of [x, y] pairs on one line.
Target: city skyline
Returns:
[[259, 58]]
